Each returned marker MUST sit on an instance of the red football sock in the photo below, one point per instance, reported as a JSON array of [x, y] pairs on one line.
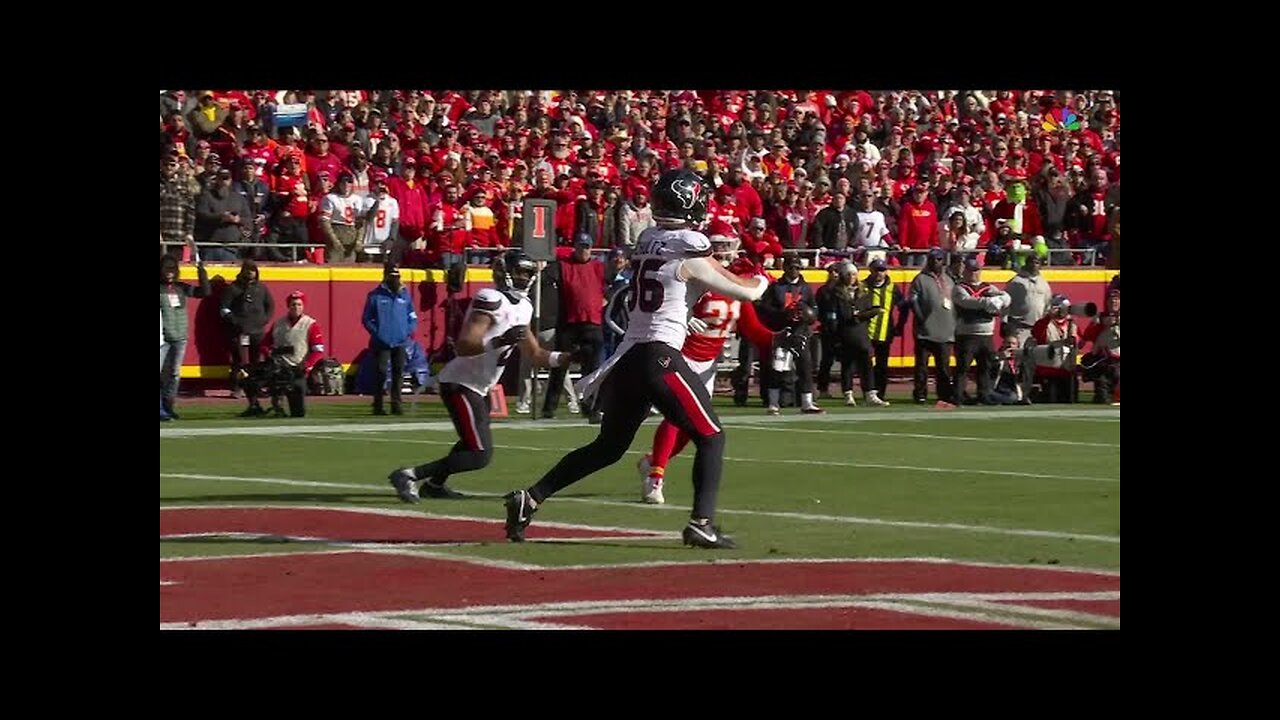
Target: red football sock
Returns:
[[668, 441]]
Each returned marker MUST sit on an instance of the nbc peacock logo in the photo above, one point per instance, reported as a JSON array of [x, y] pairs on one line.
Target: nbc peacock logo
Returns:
[[1059, 120]]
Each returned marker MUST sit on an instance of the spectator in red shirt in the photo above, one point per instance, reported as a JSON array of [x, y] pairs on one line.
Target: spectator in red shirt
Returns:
[[412, 198], [917, 225], [639, 179], [565, 211], [319, 159], [750, 205], [724, 207], [589, 215], [787, 219], [1086, 215], [291, 202], [761, 244], [1043, 155], [342, 139], [449, 230]]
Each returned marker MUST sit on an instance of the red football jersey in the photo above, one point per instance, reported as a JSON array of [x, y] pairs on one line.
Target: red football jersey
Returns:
[[722, 316]]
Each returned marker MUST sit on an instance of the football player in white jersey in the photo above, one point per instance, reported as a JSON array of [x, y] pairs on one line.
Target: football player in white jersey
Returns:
[[647, 369], [496, 322]]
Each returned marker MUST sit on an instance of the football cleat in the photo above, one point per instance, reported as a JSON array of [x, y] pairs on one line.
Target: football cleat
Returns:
[[402, 479], [707, 536], [519, 512]]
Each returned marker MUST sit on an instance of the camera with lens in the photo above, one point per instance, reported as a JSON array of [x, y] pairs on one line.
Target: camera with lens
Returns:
[[274, 375]]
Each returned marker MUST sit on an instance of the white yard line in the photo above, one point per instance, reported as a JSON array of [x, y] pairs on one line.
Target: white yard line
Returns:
[[925, 436], [781, 461], [964, 413]]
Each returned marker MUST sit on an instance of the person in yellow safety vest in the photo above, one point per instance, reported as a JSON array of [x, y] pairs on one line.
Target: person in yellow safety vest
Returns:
[[882, 328]]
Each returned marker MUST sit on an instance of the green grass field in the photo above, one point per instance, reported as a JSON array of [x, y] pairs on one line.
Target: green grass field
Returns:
[[1037, 485]]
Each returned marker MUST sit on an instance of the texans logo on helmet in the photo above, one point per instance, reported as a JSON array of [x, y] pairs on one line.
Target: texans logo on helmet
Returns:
[[687, 192]]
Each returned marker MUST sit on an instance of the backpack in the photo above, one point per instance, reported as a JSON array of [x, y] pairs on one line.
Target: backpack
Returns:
[[327, 378]]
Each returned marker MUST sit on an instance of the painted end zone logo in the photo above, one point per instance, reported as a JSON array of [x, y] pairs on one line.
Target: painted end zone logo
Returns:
[[381, 583]]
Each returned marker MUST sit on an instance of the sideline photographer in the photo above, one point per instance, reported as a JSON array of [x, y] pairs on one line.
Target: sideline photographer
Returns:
[[787, 364], [1101, 364], [294, 345], [1011, 384], [1057, 338]]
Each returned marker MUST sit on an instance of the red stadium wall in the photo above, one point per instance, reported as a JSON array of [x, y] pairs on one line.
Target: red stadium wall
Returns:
[[335, 297]]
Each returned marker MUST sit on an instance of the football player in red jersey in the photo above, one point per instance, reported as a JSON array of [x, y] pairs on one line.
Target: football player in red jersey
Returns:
[[712, 320]]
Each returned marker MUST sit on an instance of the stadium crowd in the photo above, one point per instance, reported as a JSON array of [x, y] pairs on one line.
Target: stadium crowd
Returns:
[[950, 181], [430, 178]]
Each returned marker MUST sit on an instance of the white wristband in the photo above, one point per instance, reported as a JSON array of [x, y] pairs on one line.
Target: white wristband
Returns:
[[556, 359]]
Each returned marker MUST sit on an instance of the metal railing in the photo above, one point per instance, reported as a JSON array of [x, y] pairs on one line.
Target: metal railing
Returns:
[[812, 257], [468, 252], [809, 257]]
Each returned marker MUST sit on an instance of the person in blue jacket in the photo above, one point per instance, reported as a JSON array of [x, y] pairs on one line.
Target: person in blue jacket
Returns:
[[390, 320]]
